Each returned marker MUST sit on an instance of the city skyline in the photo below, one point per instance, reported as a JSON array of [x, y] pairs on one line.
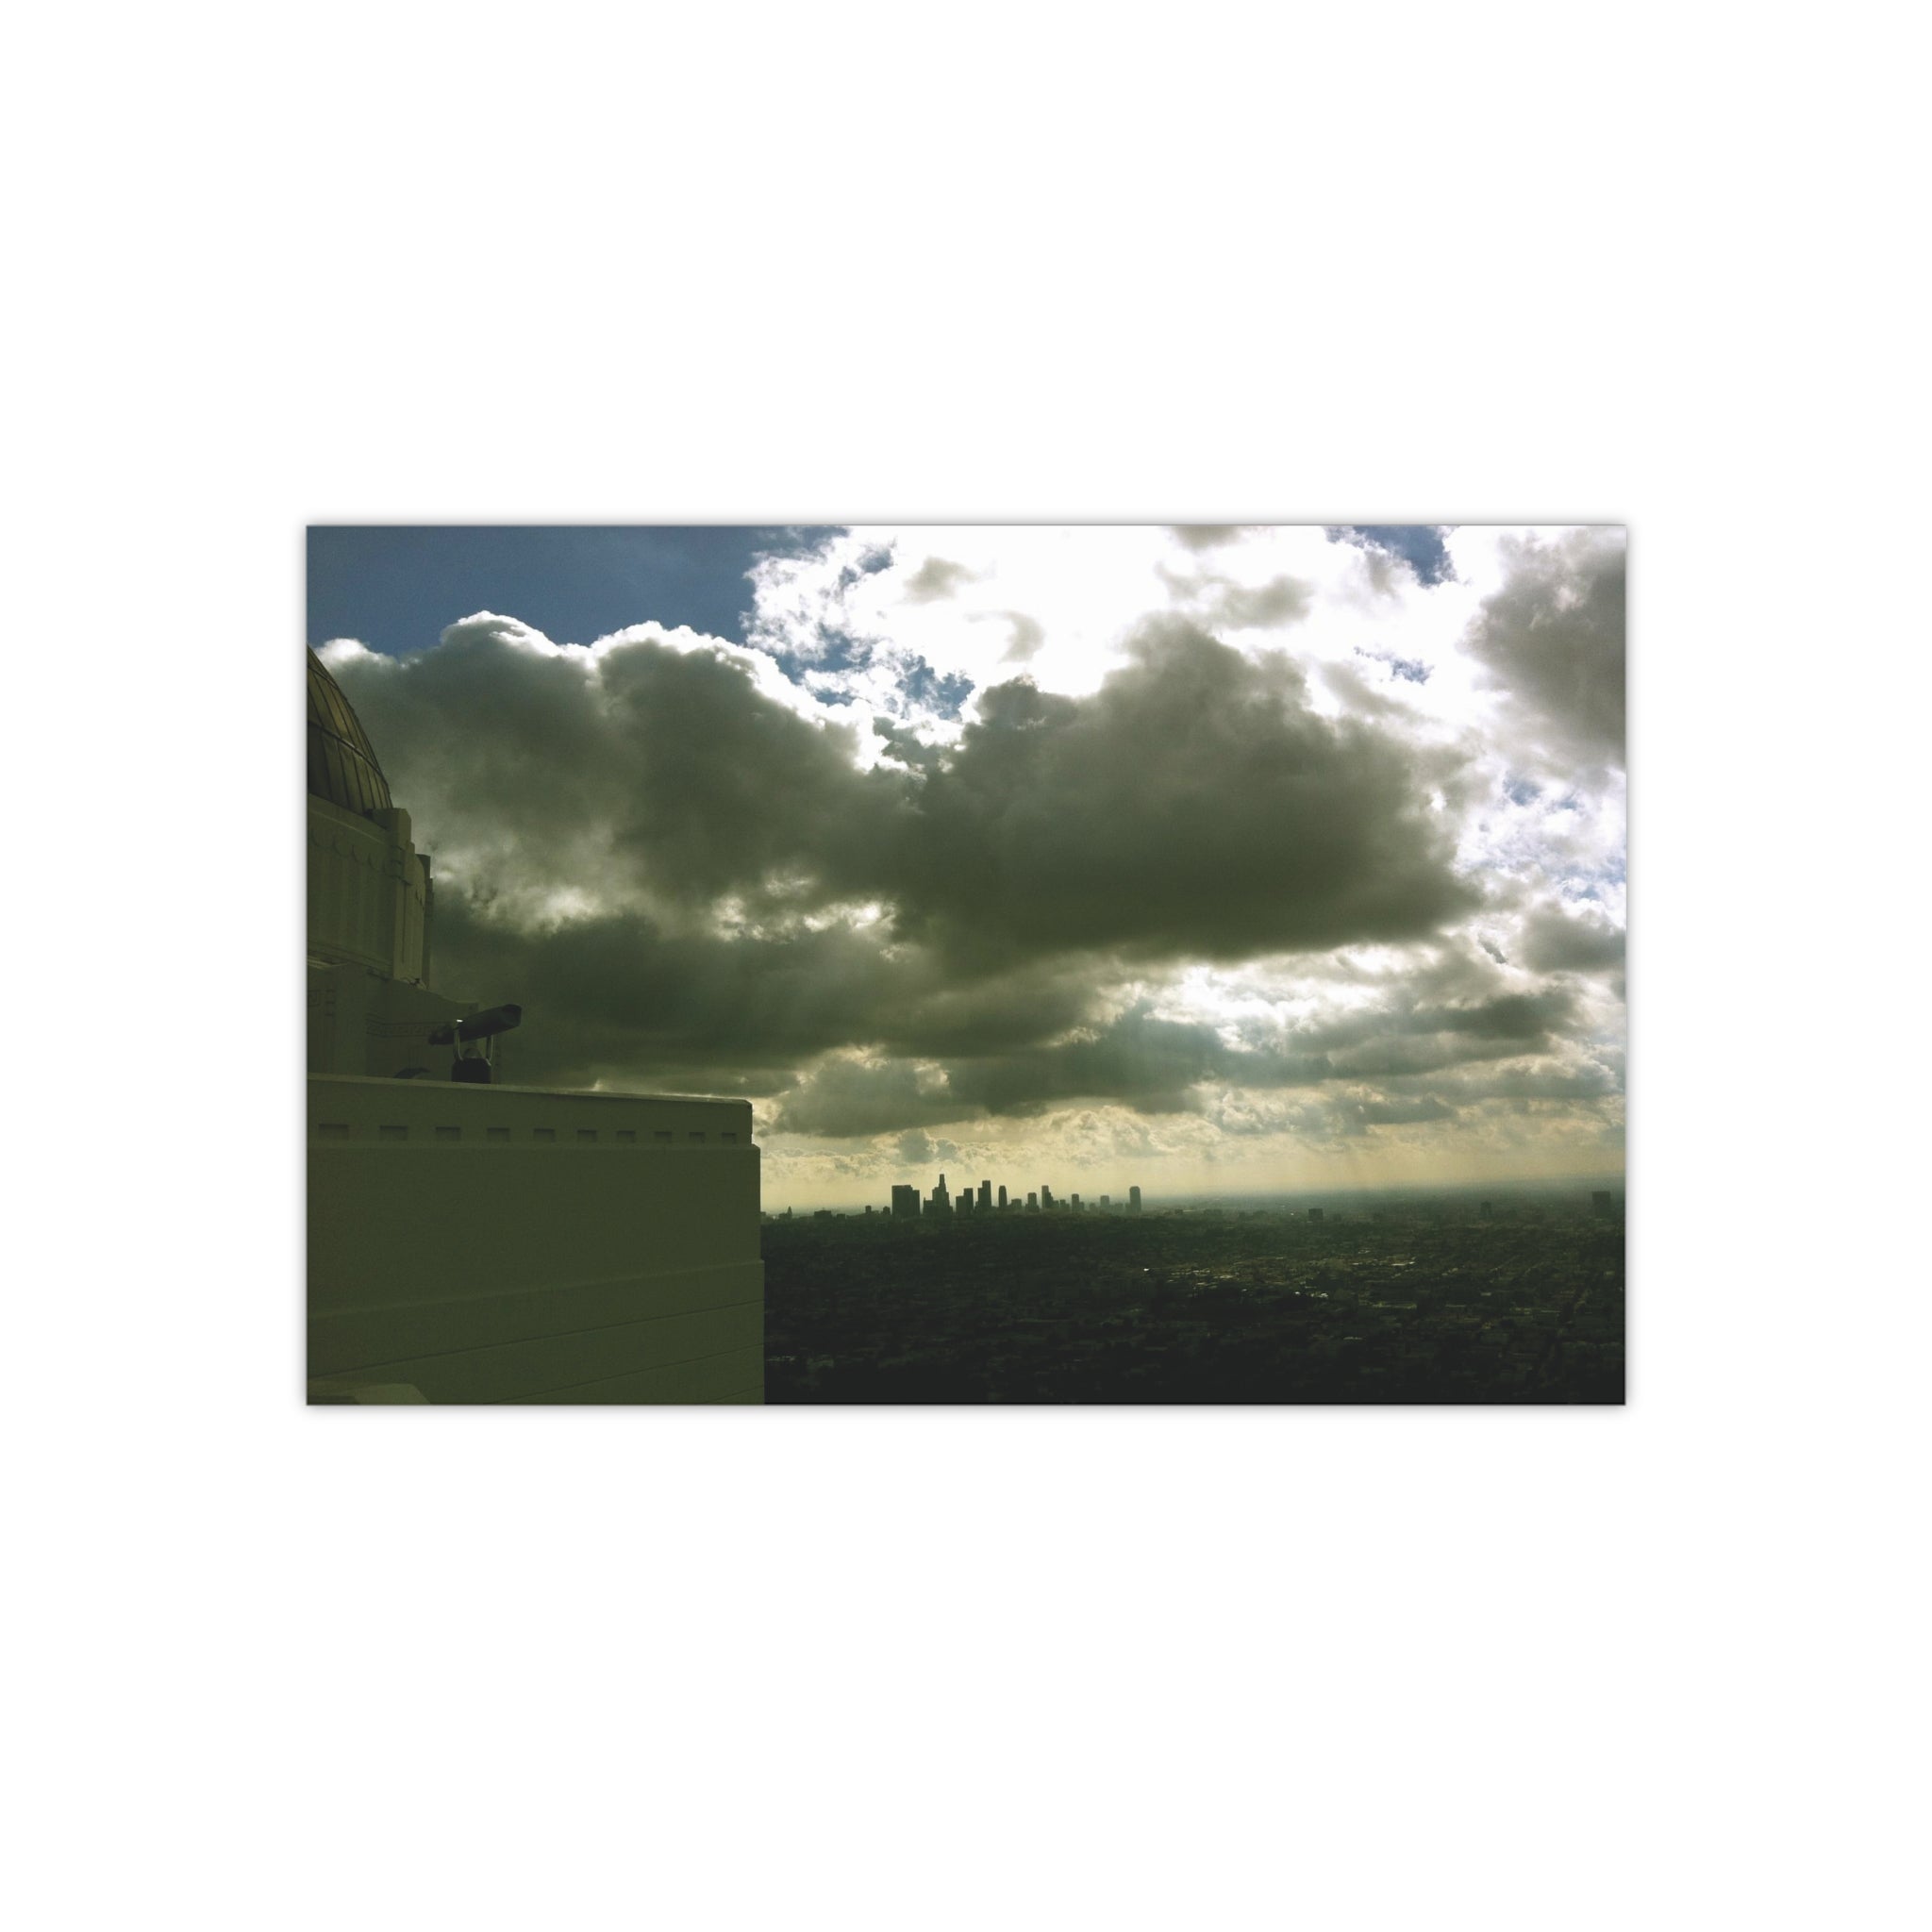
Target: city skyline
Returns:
[[1250, 859], [907, 1203]]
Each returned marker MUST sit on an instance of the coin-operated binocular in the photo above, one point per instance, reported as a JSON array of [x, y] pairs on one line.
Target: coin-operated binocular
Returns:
[[473, 1039]]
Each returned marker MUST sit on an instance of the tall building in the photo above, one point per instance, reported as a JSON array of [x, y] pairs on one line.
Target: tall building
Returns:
[[1033, 1204], [985, 1196], [475, 1242], [941, 1200], [905, 1203], [1133, 1200], [1045, 1198], [1003, 1197]]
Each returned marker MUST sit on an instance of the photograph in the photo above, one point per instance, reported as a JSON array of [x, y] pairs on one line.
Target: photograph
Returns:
[[970, 964], [970, 682]]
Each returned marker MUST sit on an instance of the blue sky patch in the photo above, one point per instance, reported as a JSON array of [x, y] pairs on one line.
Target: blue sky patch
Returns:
[[924, 686], [1419, 545], [396, 587], [839, 651]]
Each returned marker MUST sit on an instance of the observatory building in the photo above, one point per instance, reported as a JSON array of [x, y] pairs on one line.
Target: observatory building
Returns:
[[474, 1241]]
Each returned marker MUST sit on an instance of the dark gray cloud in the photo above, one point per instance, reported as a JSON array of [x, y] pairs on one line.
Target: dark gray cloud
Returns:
[[1137, 1060], [1553, 638], [1192, 807], [688, 884], [1145, 1062], [904, 745], [1555, 941], [616, 996], [1454, 1010], [848, 1096], [713, 774], [1511, 1016], [661, 770], [1156, 1066], [1206, 536], [892, 1041]]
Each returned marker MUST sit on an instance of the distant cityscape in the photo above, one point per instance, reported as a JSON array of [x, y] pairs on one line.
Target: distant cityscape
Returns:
[[1513, 1295], [907, 1203]]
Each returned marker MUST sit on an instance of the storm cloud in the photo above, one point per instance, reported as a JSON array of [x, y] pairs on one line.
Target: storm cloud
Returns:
[[1193, 805], [1552, 639], [1259, 862], [620, 996], [1555, 941]]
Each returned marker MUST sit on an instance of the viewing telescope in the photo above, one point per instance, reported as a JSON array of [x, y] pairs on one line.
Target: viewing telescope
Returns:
[[483, 1026], [473, 1062]]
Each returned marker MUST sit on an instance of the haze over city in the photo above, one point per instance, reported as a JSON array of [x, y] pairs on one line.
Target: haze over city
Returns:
[[1203, 859]]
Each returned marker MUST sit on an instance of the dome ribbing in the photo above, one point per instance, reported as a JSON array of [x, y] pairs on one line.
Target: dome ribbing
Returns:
[[343, 767]]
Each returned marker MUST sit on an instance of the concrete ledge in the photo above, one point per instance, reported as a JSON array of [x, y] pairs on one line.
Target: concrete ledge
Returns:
[[673, 1349]]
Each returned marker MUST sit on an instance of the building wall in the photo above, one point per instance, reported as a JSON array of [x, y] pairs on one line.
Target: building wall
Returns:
[[362, 1022], [513, 1244], [368, 890]]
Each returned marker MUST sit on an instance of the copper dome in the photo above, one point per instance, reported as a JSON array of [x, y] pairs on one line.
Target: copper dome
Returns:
[[342, 761]]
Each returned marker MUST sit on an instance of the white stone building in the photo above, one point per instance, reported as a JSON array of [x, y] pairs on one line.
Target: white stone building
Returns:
[[470, 1241]]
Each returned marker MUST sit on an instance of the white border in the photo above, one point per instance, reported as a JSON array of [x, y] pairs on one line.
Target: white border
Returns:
[[1347, 1668]]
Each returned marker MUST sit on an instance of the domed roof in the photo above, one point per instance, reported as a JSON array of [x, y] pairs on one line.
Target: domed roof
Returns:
[[342, 761]]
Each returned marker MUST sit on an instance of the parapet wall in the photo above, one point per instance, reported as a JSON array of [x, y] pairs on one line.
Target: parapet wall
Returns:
[[514, 1244]]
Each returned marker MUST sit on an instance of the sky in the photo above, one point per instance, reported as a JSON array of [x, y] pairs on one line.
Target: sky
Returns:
[[1209, 859]]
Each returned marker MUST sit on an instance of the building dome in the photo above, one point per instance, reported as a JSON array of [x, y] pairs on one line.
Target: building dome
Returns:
[[342, 761], [369, 891]]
